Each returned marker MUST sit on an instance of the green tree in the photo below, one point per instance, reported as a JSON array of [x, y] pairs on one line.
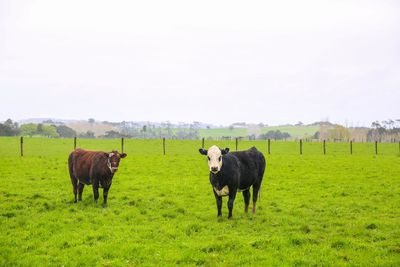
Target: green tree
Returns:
[[339, 133], [112, 134], [39, 129], [88, 134], [277, 135], [316, 135], [49, 131], [28, 129], [8, 128], [65, 131], [8, 122]]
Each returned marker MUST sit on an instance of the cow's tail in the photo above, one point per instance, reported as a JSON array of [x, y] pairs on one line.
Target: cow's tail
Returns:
[[74, 180], [261, 170]]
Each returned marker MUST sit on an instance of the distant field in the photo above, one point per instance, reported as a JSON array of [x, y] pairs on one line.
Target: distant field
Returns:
[[314, 210], [294, 131], [216, 133]]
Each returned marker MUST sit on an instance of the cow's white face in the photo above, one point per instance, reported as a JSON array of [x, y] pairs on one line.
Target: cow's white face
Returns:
[[214, 157]]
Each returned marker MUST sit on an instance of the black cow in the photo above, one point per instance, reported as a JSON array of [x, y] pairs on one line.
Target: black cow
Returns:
[[93, 167], [235, 171]]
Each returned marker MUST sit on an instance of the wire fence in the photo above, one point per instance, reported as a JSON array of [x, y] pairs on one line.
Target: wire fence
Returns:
[[31, 146]]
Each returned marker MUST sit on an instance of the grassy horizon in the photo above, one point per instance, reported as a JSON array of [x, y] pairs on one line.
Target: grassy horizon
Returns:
[[294, 131]]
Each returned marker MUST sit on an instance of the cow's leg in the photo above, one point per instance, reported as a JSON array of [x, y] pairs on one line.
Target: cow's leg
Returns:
[[246, 197], [218, 199], [105, 194], [232, 195], [80, 191], [74, 182], [256, 188], [95, 185]]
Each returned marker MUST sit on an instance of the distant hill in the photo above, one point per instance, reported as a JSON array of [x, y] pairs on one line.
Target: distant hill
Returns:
[[96, 128], [46, 120], [206, 130], [318, 123], [294, 131], [220, 132]]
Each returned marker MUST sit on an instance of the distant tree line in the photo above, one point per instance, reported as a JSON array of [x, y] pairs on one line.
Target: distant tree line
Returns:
[[48, 129], [274, 135], [384, 131], [152, 132], [10, 128], [52, 130], [332, 133]]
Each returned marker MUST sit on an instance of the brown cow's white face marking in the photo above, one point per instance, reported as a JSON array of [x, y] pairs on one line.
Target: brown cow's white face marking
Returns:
[[113, 160], [214, 157]]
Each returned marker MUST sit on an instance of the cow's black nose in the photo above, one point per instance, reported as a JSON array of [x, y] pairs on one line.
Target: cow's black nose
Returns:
[[214, 169]]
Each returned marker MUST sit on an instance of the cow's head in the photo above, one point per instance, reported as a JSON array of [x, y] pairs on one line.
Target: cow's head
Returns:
[[214, 157], [113, 159]]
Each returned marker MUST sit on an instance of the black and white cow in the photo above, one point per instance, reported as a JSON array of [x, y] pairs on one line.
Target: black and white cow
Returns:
[[235, 171]]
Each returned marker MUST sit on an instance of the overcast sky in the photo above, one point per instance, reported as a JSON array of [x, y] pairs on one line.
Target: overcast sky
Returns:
[[213, 61]]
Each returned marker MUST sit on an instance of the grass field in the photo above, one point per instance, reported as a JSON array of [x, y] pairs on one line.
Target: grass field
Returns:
[[219, 132], [314, 210], [294, 131]]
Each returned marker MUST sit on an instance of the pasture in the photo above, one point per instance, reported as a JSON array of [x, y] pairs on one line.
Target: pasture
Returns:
[[294, 131], [314, 209]]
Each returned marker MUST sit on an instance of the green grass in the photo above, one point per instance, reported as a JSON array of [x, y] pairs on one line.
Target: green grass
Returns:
[[294, 131], [332, 210]]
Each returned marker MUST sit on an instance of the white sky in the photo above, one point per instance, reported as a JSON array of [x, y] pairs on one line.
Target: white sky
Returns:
[[213, 61]]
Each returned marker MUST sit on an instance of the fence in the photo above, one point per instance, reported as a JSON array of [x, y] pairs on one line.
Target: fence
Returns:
[[171, 147]]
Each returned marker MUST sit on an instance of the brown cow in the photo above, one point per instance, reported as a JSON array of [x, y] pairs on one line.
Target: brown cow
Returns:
[[93, 167]]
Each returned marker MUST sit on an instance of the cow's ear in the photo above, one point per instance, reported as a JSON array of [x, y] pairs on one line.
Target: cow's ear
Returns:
[[123, 155], [106, 154], [225, 151], [203, 151]]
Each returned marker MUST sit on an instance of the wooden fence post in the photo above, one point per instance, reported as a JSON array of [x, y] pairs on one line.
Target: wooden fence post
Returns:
[[351, 147], [236, 143], [122, 145], [202, 143], [269, 146], [376, 147], [301, 147], [164, 145], [324, 147], [74, 142], [22, 146]]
